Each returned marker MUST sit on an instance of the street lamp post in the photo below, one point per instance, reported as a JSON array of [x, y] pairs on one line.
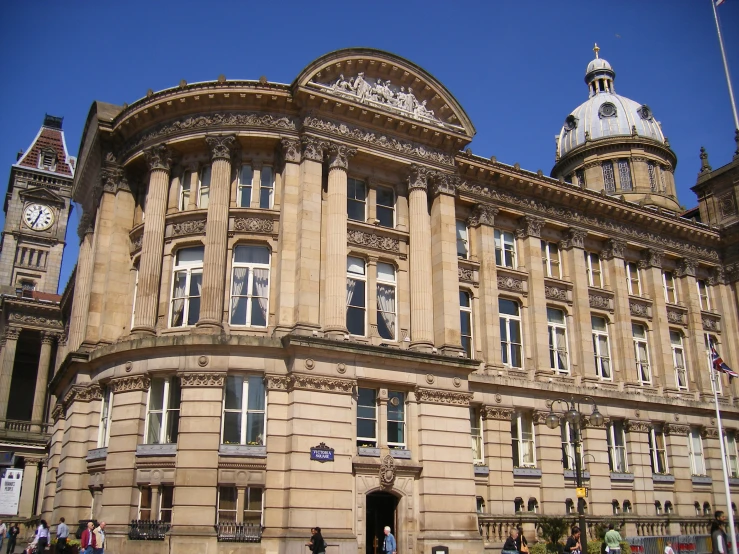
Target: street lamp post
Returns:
[[574, 417]]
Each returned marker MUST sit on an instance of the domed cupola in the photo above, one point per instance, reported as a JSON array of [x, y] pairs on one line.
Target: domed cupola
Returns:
[[612, 143]]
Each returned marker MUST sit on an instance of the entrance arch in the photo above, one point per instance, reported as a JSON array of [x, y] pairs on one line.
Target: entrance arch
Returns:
[[381, 510]]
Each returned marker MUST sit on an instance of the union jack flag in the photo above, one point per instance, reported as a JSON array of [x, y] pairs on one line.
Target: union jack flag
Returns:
[[720, 365]]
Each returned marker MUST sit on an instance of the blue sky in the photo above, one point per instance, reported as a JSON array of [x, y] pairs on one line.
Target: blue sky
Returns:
[[517, 67]]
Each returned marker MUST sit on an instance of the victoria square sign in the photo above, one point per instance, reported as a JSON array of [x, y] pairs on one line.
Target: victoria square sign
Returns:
[[322, 453]]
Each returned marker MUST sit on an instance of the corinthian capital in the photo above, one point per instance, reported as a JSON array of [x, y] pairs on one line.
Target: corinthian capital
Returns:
[[221, 146], [574, 238], [652, 257], [290, 150], [159, 157], [686, 267], [419, 177], [482, 214], [313, 149], [339, 154], [530, 227], [614, 249], [444, 183]]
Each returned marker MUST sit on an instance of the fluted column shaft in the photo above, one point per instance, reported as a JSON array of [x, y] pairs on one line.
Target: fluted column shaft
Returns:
[[336, 217], [216, 233], [6, 372], [42, 378], [483, 219], [81, 301], [422, 298], [152, 245]]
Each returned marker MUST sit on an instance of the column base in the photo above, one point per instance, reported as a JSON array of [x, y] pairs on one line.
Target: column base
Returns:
[[422, 346], [306, 330], [336, 333], [452, 350], [208, 326], [144, 330]]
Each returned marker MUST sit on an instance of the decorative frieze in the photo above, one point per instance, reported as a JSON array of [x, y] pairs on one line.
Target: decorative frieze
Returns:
[[309, 382], [466, 274], [676, 316], [436, 396], [482, 214], [89, 393], [676, 429], [556, 293], [58, 412], [530, 227], [132, 383], [198, 379], [192, 227], [30, 319], [497, 412], [254, 225], [515, 284], [371, 240], [709, 432], [277, 382], [636, 426]]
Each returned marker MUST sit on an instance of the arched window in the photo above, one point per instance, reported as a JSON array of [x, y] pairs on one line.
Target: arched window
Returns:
[[658, 507], [518, 504], [616, 507], [569, 506], [533, 505], [706, 509], [480, 504], [697, 507], [250, 286], [627, 506], [668, 507]]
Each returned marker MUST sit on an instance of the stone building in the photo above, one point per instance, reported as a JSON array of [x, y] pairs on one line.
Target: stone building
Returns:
[[37, 205], [311, 304]]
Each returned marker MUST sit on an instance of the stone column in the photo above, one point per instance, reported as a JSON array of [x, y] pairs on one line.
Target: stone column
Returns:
[[720, 288], [216, 233], [6, 372], [422, 301], [335, 290], [42, 377], [599, 488], [482, 220], [192, 202], [698, 375], [81, 302], [444, 267], [676, 444], [31, 466], [549, 458], [499, 457], [150, 265], [622, 347], [640, 464], [174, 191]]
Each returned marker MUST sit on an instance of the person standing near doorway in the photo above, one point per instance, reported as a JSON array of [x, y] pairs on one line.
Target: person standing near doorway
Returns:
[[389, 545], [62, 534]]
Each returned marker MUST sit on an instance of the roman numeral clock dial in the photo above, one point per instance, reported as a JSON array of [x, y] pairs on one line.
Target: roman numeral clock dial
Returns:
[[38, 217]]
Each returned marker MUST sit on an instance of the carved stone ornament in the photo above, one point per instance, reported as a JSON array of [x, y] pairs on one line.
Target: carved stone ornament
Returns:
[[339, 154], [309, 382], [111, 178], [387, 472], [717, 276], [193, 227], [313, 149], [132, 383], [599, 302], [686, 267], [530, 227], [221, 146], [418, 178], [290, 150], [710, 432], [639, 309], [391, 144], [615, 248], [444, 183], [466, 274], [482, 214], [89, 393], [58, 412], [443, 397], [84, 227], [574, 238], [710, 323], [30, 319], [12, 333], [510, 283], [371, 240], [199, 379], [652, 257], [675, 317], [497, 412], [159, 157], [254, 225], [555, 293], [588, 423], [636, 426], [137, 242], [277, 382], [676, 430]]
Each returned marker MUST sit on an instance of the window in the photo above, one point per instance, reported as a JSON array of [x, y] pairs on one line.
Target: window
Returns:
[[568, 445], [227, 500], [580, 178], [187, 282], [624, 175], [616, 507], [706, 509], [510, 332], [463, 243], [47, 160], [627, 506], [609, 180], [569, 506], [386, 303], [244, 411], [465, 321], [476, 431], [632, 278], [697, 507], [367, 417], [518, 504], [657, 450], [658, 507], [164, 513], [356, 202], [678, 359], [710, 341], [592, 264], [695, 446], [250, 286], [533, 505], [204, 187], [641, 353], [480, 504], [246, 177], [522, 431], [557, 340], [163, 414], [396, 420], [616, 437], [601, 347], [106, 410], [732, 460], [505, 249], [253, 497], [668, 280], [703, 298], [652, 176], [356, 298], [668, 508], [266, 187], [550, 259], [385, 207], [184, 198]]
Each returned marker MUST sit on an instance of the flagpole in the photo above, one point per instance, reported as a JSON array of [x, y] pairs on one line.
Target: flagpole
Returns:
[[726, 70], [730, 511]]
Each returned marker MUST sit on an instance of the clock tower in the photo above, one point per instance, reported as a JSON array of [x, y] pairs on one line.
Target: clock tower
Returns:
[[37, 206]]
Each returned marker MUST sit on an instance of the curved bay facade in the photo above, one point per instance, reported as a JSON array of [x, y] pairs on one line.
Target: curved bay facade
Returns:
[[308, 304]]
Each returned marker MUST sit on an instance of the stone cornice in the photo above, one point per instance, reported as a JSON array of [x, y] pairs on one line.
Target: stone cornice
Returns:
[[201, 379], [436, 396], [132, 383]]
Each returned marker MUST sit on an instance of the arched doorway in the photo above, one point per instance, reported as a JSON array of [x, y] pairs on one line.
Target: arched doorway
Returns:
[[381, 511]]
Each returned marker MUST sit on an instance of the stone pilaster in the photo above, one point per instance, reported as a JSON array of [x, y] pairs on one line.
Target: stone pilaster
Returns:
[[216, 233], [599, 489], [6, 372], [697, 364], [444, 267], [150, 266], [581, 338], [660, 353], [549, 460], [714, 465], [499, 457], [81, 301], [422, 301], [723, 297], [676, 443], [623, 363], [335, 289], [32, 466], [42, 377], [640, 464]]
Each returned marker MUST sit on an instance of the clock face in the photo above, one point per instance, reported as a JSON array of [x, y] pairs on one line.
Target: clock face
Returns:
[[38, 217]]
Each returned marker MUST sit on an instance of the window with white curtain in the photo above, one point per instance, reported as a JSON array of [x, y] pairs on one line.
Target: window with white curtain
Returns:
[[732, 461], [557, 328], [184, 196], [668, 281], [356, 201], [601, 347], [385, 207], [386, 301], [106, 411], [641, 353], [246, 178], [478, 456], [703, 297], [244, 409], [695, 447], [250, 286], [617, 456], [366, 417], [356, 295], [658, 450], [266, 187], [505, 249], [567, 433], [632, 278], [592, 264], [465, 321], [396, 420], [463, 243], [550, 259], [678, 359], [204, 187], [510, 332], [522, 433], [163, 411], [186, 284]]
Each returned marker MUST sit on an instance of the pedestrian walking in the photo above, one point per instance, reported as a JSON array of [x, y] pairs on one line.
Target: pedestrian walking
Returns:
[[668, 548], [522, 545], [612, 540], [87, 541], [3, 532], [99, 534], [511, 543], [317, 544], [573, 546], [62, 534], [13, 533], [718, 533], [42, 538], [389, 546]]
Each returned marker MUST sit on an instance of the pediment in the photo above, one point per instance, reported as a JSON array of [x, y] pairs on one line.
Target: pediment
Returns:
[[41, 194], [386, 82]]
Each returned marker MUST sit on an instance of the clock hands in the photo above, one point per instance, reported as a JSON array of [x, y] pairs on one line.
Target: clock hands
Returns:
[[36, 220]]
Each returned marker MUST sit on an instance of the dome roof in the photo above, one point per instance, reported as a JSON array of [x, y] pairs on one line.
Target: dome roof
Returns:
[[598, 64]]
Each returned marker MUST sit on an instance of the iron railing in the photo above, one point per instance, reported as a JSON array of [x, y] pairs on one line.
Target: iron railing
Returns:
[[147, 530], [239, 532]]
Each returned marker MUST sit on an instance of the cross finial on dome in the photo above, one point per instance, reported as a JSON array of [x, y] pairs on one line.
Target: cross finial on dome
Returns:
[[596, 49]]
